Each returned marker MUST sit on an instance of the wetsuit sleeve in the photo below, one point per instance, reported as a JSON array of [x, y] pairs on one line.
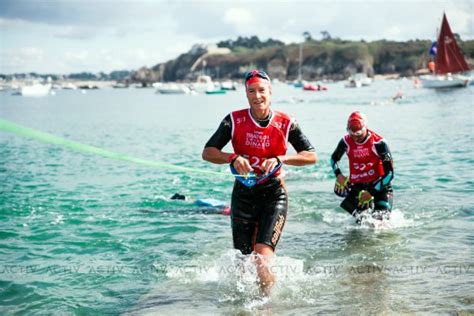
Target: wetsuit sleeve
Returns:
[[298, 140], [385, 155], [222, 136], [337, 155]]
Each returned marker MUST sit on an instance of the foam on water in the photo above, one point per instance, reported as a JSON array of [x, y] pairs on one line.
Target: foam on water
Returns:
[[397, 220], [235, 277]]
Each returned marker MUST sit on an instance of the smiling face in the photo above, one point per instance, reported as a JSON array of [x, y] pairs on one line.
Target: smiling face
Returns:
[[259, 96]]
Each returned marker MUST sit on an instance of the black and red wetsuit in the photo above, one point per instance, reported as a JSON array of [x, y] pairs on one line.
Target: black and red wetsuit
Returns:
[[371, 169], [259, 213]]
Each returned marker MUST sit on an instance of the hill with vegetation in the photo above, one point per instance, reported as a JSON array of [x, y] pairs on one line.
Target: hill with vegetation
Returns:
[[328, 58]]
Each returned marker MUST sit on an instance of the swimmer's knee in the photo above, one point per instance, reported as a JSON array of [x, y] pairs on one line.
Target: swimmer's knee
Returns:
[[264, 249]]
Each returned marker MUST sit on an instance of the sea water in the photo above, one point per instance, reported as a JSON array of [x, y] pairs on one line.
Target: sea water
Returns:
[[83, 234]]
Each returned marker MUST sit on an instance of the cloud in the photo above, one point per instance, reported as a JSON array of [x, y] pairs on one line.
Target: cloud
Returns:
[[10, 23], [131, 34], [78, 56], [241, 19], [23, 59], [462, 21], [226, 20], [75, 32]]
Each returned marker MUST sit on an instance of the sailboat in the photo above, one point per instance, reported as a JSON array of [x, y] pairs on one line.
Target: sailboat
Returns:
[[299, 83], [449, 62]]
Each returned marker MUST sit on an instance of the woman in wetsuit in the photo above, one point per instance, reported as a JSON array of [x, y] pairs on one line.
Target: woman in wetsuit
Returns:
[[259, 137]]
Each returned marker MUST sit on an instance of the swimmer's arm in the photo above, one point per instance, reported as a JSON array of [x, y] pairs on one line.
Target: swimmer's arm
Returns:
[[215, 155], [336, 156], [385, 155], [306, 154], [213, 149], [300, 159]]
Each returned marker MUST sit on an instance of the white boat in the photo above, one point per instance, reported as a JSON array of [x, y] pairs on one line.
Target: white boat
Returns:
[[173, 88], [351, 83], [449, 64], [358, 80], [444, 81], [203, 84], [120, 85], [35, 90], [228, 85], [68, 86]]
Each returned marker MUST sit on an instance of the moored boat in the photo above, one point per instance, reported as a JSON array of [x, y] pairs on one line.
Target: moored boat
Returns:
[[312, 87], [215, 91], [35, 90], [358, 80], [173, 88], [449, 65]]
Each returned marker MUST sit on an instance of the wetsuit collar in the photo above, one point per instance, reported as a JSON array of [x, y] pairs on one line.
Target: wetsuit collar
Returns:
[[264, 122]]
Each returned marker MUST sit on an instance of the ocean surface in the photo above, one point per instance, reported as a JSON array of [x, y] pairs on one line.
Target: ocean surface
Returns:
[[84, 234]]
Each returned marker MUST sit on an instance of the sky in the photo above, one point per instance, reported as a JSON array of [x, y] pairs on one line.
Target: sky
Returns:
[[67, 36]]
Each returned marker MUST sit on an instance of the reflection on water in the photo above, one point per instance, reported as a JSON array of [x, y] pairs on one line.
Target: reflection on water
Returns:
[[365, 281]]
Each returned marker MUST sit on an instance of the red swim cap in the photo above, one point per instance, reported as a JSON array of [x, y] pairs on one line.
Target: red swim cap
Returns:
[[356, 122]]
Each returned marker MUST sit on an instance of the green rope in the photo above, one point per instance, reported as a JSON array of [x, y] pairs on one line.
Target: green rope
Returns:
[[10, 127]]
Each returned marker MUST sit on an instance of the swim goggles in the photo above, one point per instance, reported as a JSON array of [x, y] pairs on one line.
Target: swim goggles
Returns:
[[256, 73], [357, 133]]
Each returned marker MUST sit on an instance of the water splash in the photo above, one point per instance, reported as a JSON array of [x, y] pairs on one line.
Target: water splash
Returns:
[[397, 220], [235, 276]]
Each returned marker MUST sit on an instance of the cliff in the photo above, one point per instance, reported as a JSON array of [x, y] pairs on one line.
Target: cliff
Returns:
[[326, 59]]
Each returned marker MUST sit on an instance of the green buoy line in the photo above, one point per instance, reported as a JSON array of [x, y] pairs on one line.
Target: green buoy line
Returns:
[[16, 129]]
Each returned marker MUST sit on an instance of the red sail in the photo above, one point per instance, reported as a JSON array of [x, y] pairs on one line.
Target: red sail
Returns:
[[449, 57]]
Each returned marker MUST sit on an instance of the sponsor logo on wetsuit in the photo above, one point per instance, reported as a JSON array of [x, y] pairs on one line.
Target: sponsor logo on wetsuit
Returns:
[[278, 228], [259, 143], [361, 152], [257, 139], [365, 164]]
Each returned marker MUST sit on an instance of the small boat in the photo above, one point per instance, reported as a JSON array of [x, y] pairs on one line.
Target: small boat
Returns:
[[358, 80], [215, 91], [173, 88], [351, 83], [450, 65], [35, 90], [311, 87], [88, 87], [447, 81], [228, 85], [68, 86], [202, 84], [120, 85], [298, 84]]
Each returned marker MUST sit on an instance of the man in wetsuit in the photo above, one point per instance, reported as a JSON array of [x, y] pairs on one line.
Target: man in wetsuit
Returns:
[[371, 170], [259, 137]]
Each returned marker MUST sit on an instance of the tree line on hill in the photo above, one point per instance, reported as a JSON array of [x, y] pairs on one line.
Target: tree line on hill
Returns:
[[328, 58], [117, 75]]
